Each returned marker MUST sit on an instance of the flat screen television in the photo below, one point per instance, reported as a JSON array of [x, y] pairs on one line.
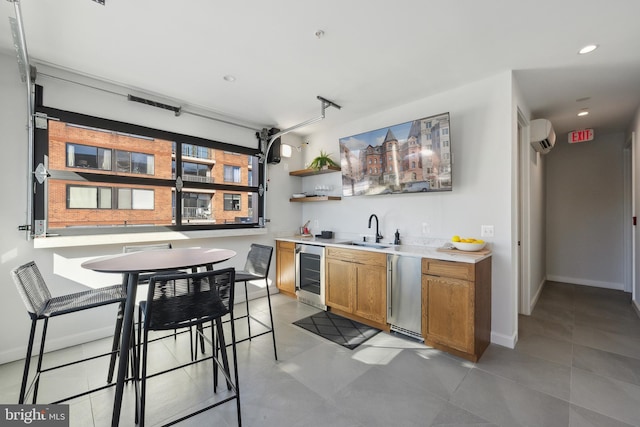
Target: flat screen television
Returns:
[[409, 157]]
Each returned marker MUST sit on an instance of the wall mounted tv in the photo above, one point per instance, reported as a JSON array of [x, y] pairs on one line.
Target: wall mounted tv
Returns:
[[408, 157]]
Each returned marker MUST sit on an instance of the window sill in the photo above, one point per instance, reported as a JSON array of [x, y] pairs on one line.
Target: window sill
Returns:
[[116, 239]]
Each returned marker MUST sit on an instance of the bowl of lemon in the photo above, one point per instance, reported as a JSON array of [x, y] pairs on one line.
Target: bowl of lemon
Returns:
[[468, 244]]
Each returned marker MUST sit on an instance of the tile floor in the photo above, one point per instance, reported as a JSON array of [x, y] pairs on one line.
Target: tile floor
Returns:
[[577, 363]]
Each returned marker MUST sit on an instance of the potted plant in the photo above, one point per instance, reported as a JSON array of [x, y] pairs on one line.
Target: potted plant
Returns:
[[323, 161]]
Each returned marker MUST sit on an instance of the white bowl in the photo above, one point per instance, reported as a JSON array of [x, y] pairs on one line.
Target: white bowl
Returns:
[[470, 247]]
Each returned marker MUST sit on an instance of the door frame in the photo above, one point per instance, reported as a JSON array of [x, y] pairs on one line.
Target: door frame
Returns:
[[523, 287]]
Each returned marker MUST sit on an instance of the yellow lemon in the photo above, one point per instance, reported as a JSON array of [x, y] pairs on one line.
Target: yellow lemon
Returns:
[[455, 239], [479, 241]]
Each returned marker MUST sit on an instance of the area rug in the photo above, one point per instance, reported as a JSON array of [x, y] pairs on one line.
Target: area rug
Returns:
[[346, 332]]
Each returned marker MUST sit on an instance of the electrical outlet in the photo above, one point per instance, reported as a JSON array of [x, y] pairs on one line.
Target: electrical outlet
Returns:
[[486, 231], [426, 229]]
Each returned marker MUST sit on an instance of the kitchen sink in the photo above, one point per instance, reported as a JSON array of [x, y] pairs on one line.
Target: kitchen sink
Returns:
[[367, 244]]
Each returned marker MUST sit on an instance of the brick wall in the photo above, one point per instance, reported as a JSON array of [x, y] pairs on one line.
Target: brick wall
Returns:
[[59, 216]]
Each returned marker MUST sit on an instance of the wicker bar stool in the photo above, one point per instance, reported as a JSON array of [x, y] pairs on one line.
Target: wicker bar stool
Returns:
[[257, 268], [41, 306], [195, 299]]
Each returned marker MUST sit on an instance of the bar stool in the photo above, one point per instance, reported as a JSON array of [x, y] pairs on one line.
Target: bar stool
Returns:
[[41, 306], [196, 299], [257, 268]]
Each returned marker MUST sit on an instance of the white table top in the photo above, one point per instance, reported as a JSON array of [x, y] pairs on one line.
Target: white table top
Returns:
[[158, 260]]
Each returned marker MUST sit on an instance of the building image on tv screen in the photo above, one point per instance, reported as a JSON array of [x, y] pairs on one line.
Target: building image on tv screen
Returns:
[[409, 157]]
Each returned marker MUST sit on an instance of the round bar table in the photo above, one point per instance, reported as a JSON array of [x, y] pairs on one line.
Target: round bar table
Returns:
[[131, 265]]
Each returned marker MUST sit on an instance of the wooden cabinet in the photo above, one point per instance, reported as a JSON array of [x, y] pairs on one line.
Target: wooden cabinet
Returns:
[[356, 285], [456, 306], [286, 268]]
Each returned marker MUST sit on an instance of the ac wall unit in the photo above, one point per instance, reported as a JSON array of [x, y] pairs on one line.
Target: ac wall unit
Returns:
[[542, 135]]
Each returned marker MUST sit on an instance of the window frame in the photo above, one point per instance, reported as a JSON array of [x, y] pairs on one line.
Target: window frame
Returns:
[[89, 176]]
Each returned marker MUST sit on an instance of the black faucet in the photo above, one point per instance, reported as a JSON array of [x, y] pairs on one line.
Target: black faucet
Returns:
[[378, 235]]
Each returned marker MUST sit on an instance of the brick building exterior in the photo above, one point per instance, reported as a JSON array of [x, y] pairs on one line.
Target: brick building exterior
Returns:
[[77, 149]]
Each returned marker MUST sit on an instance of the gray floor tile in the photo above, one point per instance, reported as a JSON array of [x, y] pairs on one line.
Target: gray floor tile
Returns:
[[544, 347], [453, 416], [581, 417], [554, 311], [507, 403], [547, 328], [613, 398], [607, 364], [430, 370], [326, 382], [532, 372], [607, 341], [381, 399], [629, 327]]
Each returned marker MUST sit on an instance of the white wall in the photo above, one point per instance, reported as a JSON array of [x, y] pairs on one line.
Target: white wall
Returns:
[[60, 266], [481, 141], [585, 212]]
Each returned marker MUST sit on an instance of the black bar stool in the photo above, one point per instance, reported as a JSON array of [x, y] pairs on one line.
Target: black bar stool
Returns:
[[41, 306], [193, 300]]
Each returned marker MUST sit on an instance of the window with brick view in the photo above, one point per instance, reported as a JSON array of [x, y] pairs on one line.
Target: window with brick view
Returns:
[[105, 178]]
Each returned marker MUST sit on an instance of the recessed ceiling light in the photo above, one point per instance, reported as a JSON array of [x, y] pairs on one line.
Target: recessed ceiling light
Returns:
[[229, 78], [583, 113], [586, 98], [588, 49]]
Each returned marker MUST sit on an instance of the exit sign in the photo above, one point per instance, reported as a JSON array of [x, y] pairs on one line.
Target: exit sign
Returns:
[[580, 135]]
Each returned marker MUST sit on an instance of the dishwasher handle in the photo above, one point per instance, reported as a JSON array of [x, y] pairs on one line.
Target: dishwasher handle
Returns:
[[391, 261]]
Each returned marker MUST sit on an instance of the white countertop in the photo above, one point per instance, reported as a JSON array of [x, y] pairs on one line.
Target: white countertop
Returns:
[[406, 250]]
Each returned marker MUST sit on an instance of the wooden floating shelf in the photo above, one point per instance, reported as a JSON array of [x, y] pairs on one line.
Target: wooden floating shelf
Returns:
[[310, 172], [314, 199]]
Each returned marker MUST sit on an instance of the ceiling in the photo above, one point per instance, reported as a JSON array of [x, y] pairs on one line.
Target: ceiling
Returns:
[[374, 54]]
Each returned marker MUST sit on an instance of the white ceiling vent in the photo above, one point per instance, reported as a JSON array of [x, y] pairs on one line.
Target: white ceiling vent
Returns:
[[542, 135]]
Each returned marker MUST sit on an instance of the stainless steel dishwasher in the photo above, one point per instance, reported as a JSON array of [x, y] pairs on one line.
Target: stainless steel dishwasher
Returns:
[[404, 288]]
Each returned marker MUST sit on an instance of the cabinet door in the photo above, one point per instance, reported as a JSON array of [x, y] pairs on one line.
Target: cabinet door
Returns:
[[371, 293], [339, 284], [286, 268], [449, 314]]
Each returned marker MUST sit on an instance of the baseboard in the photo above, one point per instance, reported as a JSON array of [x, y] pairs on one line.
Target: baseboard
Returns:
[[504, 340], [594, 283], [536, 297], [57, 343]]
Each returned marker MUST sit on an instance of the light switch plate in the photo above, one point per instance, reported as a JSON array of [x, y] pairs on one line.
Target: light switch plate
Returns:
[[486, 231]]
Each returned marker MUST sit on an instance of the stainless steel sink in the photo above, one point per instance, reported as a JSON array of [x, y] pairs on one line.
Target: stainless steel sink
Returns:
[[367, 244]]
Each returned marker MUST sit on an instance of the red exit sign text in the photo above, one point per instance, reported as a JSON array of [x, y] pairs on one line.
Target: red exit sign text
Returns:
[[580, 135]]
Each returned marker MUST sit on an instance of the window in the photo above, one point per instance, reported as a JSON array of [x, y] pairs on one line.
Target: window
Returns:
[[105, 175], [231, 202], [91, 197], [196, 172], [129, 162], [84, 156], [232, 174]]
